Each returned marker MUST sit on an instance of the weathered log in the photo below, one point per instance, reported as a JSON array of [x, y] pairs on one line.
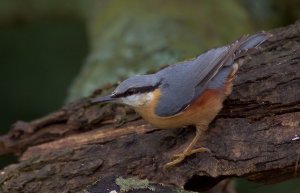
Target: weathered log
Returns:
[[256, 136]]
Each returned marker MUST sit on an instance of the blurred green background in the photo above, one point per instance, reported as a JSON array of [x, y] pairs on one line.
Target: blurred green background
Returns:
[[55, 51]]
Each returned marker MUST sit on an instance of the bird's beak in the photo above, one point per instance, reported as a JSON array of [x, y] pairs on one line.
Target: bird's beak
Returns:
[[104, 99]]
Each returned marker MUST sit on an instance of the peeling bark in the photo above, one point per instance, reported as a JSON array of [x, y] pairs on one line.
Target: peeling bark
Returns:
[[255, 136]]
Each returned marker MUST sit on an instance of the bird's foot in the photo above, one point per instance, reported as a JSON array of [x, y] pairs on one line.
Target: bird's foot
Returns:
[[180, 157]]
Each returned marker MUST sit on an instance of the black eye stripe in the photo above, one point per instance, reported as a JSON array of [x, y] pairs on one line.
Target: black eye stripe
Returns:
[[135, 90], [132, 91]]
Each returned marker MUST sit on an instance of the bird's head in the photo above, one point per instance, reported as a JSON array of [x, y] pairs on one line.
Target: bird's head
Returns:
[[135, 91]]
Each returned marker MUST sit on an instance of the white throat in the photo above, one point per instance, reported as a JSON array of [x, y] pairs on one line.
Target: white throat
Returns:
[[138, 99]]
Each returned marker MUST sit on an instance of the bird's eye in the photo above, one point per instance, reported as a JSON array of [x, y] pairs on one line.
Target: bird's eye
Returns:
[[130, 91]]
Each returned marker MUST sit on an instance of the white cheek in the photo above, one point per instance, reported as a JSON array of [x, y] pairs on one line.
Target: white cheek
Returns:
[[130, 100], [137, 99]]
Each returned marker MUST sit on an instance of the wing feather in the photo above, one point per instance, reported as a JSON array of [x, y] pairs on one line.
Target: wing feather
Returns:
[[183, 82]]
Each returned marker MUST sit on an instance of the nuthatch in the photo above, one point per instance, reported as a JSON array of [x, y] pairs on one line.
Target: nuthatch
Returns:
[[187, 93]]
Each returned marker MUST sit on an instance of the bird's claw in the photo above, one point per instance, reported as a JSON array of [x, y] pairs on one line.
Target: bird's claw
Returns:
[[180, 157]]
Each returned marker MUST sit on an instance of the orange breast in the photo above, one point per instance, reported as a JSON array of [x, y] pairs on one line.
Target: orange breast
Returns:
[[201, 111]]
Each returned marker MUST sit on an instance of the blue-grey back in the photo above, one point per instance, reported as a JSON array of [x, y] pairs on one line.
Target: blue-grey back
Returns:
[[184, 82]]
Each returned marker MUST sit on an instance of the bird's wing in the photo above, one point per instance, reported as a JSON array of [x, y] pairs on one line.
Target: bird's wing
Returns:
[[183, 82]]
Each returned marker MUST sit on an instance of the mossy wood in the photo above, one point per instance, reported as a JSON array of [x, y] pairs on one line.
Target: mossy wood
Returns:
[[255, 136]]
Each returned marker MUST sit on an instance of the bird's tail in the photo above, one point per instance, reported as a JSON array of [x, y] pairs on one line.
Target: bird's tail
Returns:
[[249, 44], [241, 48]]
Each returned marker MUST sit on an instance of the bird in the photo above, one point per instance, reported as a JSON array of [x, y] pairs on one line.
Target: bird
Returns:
[[187, 93]]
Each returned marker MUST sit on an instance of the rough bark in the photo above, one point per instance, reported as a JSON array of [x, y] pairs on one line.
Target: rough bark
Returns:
[[82, 146]]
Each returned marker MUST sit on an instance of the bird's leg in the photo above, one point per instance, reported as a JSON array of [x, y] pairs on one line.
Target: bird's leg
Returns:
[[189, 150]]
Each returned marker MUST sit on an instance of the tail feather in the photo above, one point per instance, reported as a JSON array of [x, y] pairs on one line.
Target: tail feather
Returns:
[[251, 43], [255, 40]]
